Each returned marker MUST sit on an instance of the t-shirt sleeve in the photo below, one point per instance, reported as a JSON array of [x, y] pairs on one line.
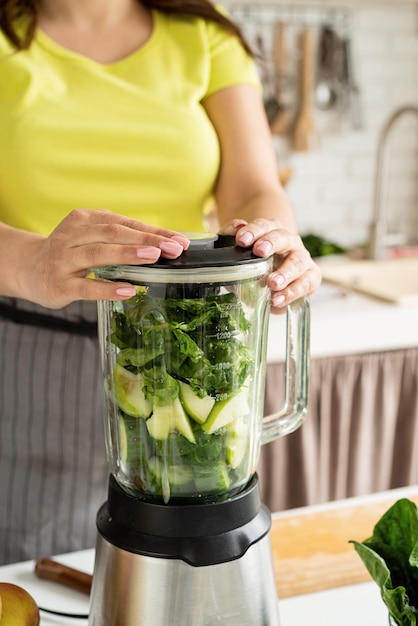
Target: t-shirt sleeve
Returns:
[[230, 64]]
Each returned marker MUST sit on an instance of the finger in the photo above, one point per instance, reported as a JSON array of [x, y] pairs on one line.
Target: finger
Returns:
[[289, 267], [97, 255], [231, 228], [142, 244], [306, 284], [93, 289], [251, 232], [102, 225]]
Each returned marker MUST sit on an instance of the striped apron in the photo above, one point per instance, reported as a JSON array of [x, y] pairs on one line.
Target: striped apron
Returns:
[[53, 468]]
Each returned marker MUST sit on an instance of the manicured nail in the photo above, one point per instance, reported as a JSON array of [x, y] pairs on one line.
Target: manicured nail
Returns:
[[279, 281], [277, 300], [246, 238], [265, 247], [126, 291], [172, 248], [183, 241], [149, 253]]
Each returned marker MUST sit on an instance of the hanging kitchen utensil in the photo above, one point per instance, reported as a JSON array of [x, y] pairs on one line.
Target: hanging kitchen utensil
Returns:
[[280, 122], [328, 70], [271, 104], [353, 90], [305, 136]]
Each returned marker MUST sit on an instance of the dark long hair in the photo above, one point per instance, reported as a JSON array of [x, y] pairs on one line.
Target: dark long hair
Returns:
[[12, 10]]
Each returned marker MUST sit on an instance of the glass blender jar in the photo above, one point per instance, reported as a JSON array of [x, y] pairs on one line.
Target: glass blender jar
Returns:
[[184, 374]]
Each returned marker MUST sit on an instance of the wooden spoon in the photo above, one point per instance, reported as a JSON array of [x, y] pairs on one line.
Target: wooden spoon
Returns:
[[305, 136]]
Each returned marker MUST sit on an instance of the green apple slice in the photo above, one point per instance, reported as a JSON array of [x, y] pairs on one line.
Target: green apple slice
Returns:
[[213, 480], [198, 408], [226, 411], [236, 442], [168, 418], [129, 392], [123, 443]]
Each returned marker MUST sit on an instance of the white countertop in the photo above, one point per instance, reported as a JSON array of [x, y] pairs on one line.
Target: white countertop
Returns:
[[344, 322], [351, 605], [354, 605]]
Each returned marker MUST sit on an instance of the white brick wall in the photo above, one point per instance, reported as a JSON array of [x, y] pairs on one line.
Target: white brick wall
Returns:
[[332, 188]]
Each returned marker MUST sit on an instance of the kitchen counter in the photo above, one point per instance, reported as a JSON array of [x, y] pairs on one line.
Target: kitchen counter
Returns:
[[322, 559], [362, 407], [344, 322]]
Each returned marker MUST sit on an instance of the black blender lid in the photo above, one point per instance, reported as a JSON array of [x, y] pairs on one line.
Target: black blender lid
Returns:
[[210, 258], [209, 249]]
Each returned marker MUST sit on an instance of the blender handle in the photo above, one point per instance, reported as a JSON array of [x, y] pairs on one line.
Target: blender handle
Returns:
[[294, 410]]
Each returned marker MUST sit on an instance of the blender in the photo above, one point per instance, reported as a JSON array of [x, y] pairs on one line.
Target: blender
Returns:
[[183, 538]]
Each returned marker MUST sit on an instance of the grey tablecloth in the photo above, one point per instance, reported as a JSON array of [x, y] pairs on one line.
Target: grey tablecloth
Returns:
[[360, 436], [53, 469]]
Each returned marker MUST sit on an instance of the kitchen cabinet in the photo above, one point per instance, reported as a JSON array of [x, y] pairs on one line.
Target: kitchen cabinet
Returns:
[[361, 432]]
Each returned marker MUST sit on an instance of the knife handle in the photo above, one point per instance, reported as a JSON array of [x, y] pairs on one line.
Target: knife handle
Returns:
[[52, 570]]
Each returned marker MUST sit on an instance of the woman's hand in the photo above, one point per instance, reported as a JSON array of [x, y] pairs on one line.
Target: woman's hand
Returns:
[[251, 203], [295, 274], [54, 269]]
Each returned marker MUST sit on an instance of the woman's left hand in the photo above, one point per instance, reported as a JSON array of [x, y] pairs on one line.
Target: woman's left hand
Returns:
[[295, 274]]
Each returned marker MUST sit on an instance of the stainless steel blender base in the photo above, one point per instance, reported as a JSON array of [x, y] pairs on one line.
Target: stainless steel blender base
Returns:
[[136, 590]]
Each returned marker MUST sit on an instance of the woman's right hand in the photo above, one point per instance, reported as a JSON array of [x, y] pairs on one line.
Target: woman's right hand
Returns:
[[55, 269]]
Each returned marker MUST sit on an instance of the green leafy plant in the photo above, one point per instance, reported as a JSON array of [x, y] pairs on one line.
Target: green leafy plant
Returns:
[[179, 387], [391, 557], [319, 246]]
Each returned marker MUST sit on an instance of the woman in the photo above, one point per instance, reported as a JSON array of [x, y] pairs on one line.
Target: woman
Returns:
[[110, 113]]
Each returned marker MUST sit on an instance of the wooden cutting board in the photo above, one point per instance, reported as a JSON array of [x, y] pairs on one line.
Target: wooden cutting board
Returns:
[[311, 550], [390, 280]]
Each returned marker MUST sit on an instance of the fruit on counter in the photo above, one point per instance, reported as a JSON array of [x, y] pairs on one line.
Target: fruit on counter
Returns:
[[17, 606], [129, 392]]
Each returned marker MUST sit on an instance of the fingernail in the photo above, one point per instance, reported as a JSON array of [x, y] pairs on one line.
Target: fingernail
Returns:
[[172, 248], [265, 247], [246, 238], [149, 253], [183, 241], [278, 280], [277, 300], [126, 291]]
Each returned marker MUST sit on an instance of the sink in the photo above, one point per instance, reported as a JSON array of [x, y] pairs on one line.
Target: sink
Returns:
[[391, 280]]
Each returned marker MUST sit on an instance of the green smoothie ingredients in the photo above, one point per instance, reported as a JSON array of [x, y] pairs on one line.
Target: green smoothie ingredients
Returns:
[[391, 557], [180, 388]]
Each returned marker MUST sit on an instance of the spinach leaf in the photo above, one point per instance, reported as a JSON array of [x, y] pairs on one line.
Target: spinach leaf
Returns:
[[195, 340], [159, 386], [391, 557]]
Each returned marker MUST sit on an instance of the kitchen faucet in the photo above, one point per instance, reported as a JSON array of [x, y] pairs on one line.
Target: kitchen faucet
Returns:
[[378, 235]]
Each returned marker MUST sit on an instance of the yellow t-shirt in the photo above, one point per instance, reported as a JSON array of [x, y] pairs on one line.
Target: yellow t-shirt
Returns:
[[131, 137]]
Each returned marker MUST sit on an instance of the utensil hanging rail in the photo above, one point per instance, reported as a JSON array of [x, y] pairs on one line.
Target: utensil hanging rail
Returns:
[[310, 15]]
